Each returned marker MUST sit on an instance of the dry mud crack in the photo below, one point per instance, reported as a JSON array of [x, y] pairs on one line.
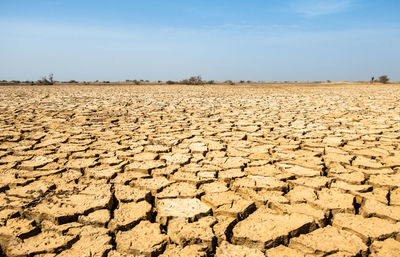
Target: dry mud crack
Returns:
[[200, 171]]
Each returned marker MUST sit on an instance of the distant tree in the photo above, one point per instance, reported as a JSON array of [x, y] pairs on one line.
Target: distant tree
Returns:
[[384, 79], [194, 80], [49, 80], [171, 82], [242, 81], [210, 82]]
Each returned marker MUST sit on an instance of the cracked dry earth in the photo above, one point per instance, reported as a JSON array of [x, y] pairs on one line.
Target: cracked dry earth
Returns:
[[200, 171]]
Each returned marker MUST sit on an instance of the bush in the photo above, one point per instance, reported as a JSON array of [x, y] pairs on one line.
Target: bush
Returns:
[[210, 82], [171, 82], [195, 80], [384, 79], [47, 80]]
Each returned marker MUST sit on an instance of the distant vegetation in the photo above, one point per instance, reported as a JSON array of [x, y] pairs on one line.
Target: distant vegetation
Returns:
[[49, 80], [194, 80], [384, 79], [136, 82]]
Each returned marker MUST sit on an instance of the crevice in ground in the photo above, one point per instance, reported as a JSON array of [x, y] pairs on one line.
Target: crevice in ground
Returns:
[[113, 207]]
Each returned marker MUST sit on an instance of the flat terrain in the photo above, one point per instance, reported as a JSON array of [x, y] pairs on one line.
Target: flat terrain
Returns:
[[200, 170]]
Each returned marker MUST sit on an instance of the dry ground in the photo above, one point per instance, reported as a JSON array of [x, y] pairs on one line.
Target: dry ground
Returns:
[[200, 170]]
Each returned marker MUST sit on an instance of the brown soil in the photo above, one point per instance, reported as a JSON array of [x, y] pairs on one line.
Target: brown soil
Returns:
[[273, 170]]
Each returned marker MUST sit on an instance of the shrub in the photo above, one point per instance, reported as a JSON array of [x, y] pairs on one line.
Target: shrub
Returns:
[[210, 82], [194, 80], [242, 81], [384, 79], [72, 81], [171, 82], [47, 80]]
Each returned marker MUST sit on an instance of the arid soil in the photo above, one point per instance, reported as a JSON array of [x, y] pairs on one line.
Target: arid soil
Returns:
[[200, 170]]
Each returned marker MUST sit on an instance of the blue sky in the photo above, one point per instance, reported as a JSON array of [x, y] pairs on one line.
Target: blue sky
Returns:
[[220, 39]]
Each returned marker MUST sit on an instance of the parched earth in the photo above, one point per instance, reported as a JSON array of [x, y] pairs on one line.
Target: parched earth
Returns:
[[200, 170]]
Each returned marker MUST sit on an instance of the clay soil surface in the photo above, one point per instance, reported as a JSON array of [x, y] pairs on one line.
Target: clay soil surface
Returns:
[[274, 170]]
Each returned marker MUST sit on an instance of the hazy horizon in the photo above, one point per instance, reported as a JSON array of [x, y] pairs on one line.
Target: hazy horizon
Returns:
[[303, 40]]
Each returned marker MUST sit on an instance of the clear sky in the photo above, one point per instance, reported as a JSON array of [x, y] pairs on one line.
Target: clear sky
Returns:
[[218, 39]]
